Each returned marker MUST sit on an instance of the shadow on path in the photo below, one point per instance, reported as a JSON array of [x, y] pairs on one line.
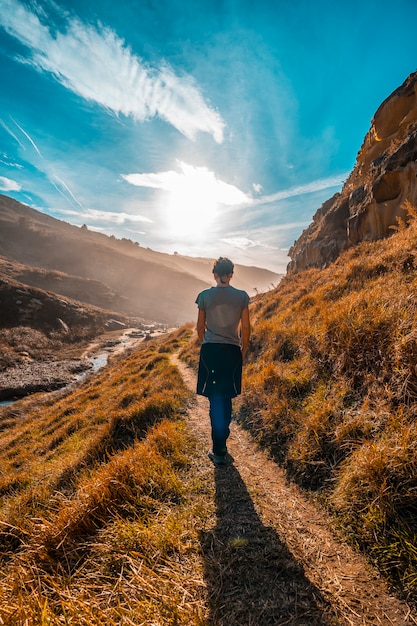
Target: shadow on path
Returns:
[[252, 577]]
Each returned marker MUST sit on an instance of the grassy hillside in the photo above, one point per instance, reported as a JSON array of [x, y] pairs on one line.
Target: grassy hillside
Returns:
[[85, 290], [95, 523], [98, 508], [331, 390]]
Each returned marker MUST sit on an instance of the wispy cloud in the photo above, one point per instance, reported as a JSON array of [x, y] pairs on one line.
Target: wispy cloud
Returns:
[[11, 133], [300, 190], [205, 182], [244, 243], [9, 161], [6, 184], [62, 188], [60, 185], [194, 181], [106, 216], [98, 66], [29, 138]]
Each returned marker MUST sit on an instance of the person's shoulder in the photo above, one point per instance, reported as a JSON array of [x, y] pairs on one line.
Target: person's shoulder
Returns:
[[241, 296], [203, 294], [240, 291], [205, 291]]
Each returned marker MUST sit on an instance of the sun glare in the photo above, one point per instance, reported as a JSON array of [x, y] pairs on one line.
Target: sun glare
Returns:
[[194, 202], [192, 206]]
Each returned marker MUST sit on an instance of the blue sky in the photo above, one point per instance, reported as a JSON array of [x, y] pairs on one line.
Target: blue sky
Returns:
[[210, 127]]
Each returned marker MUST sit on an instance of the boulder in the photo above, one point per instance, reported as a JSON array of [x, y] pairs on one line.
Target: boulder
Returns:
[[62, 325], [114, 324]]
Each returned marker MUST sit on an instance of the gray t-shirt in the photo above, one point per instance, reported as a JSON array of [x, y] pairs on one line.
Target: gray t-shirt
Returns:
[[223, 307]]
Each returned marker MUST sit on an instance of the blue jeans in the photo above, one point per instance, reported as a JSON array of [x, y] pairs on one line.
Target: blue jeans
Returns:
[[220, 418]]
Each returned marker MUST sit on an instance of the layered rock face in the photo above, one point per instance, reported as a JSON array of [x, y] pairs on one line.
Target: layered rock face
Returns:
[[384, 177]]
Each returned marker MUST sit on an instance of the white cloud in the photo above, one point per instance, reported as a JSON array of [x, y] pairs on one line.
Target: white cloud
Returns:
[[300, 190], [116, 218], [202, 182], [62, 188], [97, 65], [9, 185], [198, 182], [106, 216], [29, 138], [11, 133], [257, 188], [245, 243], [10, 163], [240, 242], [59, 184]]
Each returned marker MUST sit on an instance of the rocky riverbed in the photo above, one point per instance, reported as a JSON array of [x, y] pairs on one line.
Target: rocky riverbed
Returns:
[[27, 378], [32, 376]]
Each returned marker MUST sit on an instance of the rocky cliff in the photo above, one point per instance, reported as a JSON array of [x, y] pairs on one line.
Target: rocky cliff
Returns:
[[384, 177]]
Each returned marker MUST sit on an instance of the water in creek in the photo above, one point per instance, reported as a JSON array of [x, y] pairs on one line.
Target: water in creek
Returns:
[[97, 361]]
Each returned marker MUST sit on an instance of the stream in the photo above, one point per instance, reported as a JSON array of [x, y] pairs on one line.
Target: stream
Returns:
[[98, 357]]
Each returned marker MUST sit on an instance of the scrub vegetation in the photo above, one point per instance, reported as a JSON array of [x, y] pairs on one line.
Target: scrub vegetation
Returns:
[[331, 391], [97, 514]]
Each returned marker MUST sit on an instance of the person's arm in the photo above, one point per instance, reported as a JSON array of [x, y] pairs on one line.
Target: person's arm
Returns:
[[245, 330], [201, 324]]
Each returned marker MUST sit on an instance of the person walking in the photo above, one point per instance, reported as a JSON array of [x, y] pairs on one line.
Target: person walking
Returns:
[[223, 329]]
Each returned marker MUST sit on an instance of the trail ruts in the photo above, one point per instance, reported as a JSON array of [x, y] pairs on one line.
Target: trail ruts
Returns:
[[271, 557]]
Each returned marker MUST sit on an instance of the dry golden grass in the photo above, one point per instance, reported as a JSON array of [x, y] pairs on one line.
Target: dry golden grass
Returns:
[[96, 524], [99, 515], [190, 351], [331, 389]]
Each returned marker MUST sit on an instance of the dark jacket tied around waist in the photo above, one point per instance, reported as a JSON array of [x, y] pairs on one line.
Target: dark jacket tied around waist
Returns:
[[220, 370]]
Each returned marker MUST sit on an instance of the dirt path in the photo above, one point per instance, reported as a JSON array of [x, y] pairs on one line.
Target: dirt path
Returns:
[[271, 557]]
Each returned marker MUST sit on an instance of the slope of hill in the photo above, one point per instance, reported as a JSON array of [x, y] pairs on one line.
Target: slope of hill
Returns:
[[111, 513], [86, 290], [331, 390], [135, 281], [383, 178], [79, 467]]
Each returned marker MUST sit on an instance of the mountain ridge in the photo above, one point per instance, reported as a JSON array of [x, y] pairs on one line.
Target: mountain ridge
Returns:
[[143, 283]]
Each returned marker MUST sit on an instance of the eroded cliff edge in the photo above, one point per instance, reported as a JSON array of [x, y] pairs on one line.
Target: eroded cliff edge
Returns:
[[384, 177]]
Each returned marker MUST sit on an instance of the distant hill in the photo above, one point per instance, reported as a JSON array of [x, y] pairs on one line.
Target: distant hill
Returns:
[[22, 305], [372, 199], [120, 275]]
